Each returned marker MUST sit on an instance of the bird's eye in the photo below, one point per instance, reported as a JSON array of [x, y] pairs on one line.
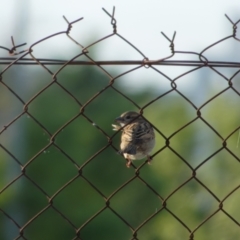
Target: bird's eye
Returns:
[[128, 117]]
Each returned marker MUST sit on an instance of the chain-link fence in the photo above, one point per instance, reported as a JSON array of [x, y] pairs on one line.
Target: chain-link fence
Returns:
[[61, 176]]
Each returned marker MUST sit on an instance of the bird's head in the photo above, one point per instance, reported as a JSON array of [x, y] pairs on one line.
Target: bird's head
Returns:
[[128, 117]]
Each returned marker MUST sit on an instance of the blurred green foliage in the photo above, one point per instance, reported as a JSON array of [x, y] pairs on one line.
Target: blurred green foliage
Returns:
[[52, 165]]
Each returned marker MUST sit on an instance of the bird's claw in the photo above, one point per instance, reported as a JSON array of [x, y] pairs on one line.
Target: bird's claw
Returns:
[[128, 164], [149, 160]]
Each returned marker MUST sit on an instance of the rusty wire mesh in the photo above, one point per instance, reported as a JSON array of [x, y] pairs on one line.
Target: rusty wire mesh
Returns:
[[156, 217]]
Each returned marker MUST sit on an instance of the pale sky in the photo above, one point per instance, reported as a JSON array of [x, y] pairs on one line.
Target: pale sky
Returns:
[[198, 24]]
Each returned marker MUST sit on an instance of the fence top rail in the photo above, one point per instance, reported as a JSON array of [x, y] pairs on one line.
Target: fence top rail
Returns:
[[45, 61]]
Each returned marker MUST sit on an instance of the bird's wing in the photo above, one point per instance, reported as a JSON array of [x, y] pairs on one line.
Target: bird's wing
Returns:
[[134, 135]]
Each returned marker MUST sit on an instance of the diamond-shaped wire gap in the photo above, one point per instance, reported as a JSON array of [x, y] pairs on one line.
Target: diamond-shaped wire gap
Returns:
[[22, 200], [101, 50], [202, 145], [107, 171], [230, 205], [83, 82], [195, 142], [132, 45], [53, 107], [166, 165], [31, 135], [80, 139], [163, 226], [143, 95], [54, 166], [9, 228], [220, 174], [49, 225], [10, 106], [219, 226], [33, 138], [224, 51], [192, 203], [169, 113], [177, 72], [78, 201], [26, 80], [138, 79], [222, 112], [117, 71], [135, 202], [50, 47], [6, 86], [198, 85], [106, 225], [10, 167]]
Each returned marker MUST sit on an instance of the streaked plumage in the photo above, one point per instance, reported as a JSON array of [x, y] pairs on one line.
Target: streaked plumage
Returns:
[[138, 138]]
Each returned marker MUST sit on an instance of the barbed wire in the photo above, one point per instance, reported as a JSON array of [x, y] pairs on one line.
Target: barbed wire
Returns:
[[27, 57]]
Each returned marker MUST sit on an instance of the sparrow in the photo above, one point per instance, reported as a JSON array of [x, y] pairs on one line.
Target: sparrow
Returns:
[[138, 138]]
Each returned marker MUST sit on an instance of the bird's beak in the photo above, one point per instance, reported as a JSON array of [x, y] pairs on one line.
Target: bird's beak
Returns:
[[119, 119]]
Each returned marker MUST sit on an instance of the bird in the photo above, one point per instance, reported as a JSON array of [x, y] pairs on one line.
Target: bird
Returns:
[[138, 137]]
